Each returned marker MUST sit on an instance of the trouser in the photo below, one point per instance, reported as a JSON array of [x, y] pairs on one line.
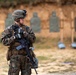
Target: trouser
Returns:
[[19, 63]]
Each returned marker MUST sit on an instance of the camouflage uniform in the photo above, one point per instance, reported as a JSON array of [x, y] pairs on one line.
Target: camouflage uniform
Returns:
[[18, 59]]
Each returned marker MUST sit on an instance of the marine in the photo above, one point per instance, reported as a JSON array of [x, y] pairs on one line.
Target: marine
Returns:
[[17, 53]]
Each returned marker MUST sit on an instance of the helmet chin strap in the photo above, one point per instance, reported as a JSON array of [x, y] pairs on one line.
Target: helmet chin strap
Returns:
[[17, 21]]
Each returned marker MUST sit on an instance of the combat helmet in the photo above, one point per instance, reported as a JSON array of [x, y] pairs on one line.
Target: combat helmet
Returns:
[[17, 14]]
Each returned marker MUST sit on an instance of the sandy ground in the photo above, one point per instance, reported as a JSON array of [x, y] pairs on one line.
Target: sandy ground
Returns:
[[51, 61]]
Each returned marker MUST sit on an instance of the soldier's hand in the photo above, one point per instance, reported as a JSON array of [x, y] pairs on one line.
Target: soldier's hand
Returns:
[[25, 34], [20, 31], [17, 36]]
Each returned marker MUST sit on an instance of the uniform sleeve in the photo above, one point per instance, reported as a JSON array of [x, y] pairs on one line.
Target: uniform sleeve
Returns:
[[30, 35], [7, 37]]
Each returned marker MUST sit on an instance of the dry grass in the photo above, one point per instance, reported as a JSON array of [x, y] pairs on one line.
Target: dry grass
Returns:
[[56, 60], [46, 42], [50, 60]]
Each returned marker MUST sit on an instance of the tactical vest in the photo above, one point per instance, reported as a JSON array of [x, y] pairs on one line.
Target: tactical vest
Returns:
[[12, 48]]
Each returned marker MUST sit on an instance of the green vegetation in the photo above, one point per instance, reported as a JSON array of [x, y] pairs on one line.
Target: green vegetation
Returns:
[[41, 58], [12, 3], [70, 60], [0, 40], [15, 3], [44, 43]]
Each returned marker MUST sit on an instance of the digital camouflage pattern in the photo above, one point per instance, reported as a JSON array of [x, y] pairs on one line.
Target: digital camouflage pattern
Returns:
[[18, 59], [8, 39], [17, 63]]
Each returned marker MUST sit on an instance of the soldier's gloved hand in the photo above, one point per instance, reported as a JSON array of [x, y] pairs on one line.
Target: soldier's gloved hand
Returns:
[[17, 36], [20, 31], [25, 34]]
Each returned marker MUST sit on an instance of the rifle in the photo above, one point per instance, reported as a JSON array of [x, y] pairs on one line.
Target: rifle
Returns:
[[24, 44]]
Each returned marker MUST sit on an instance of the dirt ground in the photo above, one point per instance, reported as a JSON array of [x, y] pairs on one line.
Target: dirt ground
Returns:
[[50, 61]]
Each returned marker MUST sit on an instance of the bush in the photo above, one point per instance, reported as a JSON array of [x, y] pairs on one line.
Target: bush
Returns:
[[14, 3]]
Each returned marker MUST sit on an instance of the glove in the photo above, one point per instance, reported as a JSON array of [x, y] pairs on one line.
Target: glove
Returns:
[[20, 31], [17, 36], [25, 34]]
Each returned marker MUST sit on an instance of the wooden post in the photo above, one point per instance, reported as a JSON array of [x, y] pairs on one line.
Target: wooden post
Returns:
[[62, 27], [72, 26]]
